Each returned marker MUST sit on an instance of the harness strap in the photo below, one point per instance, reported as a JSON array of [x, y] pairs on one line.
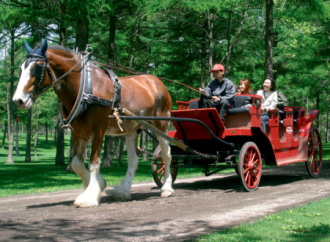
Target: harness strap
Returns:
[[78, 106], [90, 99], [118, 86]]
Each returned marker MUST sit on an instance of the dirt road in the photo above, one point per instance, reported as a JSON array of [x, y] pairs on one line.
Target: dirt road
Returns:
[[199, 206]]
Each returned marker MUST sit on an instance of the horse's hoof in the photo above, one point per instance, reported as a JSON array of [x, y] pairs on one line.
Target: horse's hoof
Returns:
[[103, 183], [167, 193], [83, 201], [119, 194]]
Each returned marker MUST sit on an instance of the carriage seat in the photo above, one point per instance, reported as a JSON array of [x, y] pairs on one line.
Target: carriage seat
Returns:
[[241, 105]]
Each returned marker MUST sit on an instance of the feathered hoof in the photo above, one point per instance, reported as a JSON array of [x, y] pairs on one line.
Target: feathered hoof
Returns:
[[103, 184], [167, 193], [119, 193], [84, 201]]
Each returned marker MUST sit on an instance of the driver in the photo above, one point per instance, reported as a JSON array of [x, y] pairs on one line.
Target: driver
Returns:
[[219, 93]]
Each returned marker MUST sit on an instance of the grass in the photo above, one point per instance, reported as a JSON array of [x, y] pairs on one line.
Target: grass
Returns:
[[304, 224]]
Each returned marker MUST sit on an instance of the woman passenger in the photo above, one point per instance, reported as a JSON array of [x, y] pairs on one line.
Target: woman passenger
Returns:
[[244, 87], [269, 100]]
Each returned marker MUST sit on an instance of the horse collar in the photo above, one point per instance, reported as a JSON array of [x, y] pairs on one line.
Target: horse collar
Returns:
[[85, 87], [85, 96]]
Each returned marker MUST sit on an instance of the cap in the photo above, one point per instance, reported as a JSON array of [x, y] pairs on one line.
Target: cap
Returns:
[[217, 67]]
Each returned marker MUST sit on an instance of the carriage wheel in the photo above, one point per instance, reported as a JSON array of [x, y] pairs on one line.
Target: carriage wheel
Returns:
[[250, 166], [314, 162], [158, 169]]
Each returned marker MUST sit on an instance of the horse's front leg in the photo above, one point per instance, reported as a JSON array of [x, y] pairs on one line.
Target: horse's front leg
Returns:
[[78, 159], [92, 194], [123, 191], [166, 189]]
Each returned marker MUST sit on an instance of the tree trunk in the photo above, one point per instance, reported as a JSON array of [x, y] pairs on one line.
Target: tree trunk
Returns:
[[133, 40], [36, 136], [327, 125], [121, 149], [318, 124], [204, 59], [269, 40], [144, 146], [28, 137], [17, 138], [69, 167], [4, 136], [112, 35], [46, 131], [210, 25], [10, 103], [82, 33], [115, 145], [232, 44], [107, 160], [59, 160]]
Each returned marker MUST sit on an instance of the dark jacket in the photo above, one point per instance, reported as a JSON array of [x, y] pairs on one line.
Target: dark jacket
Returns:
[[224, 89]]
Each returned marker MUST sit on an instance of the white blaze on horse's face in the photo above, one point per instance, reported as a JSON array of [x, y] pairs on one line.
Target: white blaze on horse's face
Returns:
[[23, 97]]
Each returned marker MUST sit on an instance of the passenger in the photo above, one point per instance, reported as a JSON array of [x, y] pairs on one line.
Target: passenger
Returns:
[[219, 93], [282, 101], [244, 87], [269, 100]]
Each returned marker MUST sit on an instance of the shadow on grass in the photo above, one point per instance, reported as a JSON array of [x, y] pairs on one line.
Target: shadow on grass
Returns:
[[313, 233]]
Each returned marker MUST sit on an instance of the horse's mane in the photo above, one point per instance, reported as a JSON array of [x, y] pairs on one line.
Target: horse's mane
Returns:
[[54, 47], [60, 47]]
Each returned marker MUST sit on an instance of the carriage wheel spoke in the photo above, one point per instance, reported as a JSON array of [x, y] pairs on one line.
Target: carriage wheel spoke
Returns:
[[256, 161], [161, 169]]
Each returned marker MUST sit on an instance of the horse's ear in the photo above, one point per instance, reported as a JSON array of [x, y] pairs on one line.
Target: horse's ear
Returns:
[[27, 47], [44, 46]]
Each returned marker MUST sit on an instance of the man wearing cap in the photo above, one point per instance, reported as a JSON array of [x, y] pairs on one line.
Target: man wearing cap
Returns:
[[221, 92]]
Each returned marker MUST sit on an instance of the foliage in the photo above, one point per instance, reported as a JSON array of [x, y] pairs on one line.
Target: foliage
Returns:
[[179, 40]]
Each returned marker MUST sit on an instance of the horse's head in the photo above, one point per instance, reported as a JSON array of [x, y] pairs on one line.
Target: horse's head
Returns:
[[34, 78]]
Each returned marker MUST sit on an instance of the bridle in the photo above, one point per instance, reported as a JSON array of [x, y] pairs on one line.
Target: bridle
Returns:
[[39, 70]]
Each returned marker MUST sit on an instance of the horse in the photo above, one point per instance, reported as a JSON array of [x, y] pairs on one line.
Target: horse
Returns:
[[144, 95]]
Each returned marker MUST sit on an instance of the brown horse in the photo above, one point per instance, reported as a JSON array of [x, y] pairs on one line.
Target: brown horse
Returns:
[[144, 95]]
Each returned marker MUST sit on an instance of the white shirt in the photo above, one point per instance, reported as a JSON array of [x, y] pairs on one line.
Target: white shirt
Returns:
[[269, 99]]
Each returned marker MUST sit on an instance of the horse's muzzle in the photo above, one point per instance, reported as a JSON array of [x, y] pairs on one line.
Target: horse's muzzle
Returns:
[[23, 104]]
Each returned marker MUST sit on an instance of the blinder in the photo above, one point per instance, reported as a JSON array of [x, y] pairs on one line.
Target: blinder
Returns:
[[38, 70]]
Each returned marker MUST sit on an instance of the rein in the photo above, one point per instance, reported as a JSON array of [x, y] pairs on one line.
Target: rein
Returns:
[[132, 71]]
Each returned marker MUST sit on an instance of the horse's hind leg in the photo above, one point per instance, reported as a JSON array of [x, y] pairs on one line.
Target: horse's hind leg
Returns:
[[166, 189], [92, 194], [123, 191]]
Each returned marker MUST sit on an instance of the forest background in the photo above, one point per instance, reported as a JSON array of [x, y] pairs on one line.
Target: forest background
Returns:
[[176, 39]]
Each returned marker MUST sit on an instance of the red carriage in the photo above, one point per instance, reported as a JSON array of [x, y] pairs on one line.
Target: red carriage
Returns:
[[240, 143]]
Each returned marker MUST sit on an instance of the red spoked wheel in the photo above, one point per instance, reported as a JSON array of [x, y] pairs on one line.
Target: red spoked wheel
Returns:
[[250, 166], [314, 162], [158, 168]]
